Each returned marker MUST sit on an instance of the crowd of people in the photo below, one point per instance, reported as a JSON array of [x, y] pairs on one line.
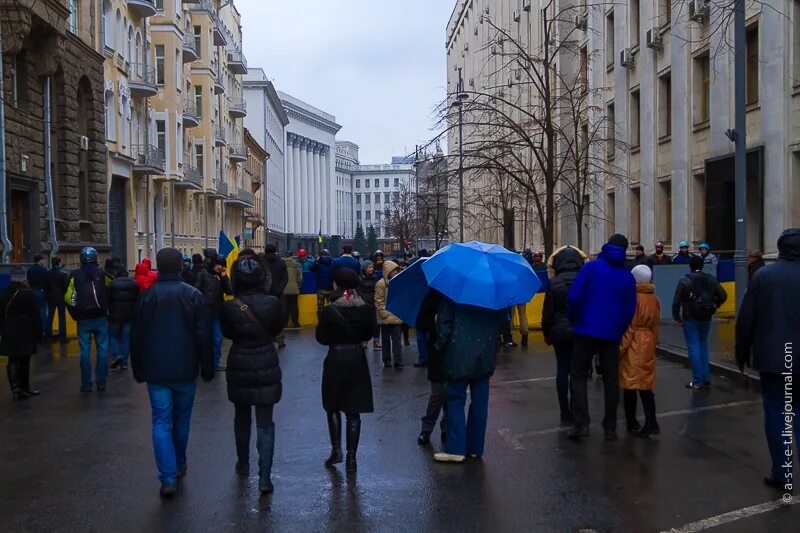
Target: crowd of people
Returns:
[[170, 324]]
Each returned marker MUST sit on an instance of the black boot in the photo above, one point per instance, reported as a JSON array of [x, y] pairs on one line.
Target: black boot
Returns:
[[353, 435], [650, 424], [12, 370], [25, 377], [525, 341], [265, 443], [335, 433], [629, 399]]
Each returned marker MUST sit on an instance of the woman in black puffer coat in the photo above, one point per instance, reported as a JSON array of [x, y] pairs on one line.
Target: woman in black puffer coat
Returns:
[[556, 326], [346, 385], [253, 320], [20, 330]]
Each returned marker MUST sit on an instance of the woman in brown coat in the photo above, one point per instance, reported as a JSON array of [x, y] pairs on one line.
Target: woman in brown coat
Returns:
[[637, 366]]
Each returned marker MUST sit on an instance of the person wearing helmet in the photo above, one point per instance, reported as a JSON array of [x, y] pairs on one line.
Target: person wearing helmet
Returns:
[[538, 264], [305, 262], [357, 256], [659, 257], [684, 255], [87, 301], [705, 253], [378, 261]]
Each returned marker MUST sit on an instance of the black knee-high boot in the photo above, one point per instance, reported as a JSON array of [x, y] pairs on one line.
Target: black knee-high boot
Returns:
[[629, 399], [650, 423], [353, 436], [335, 432], [12, 371], [25, 377]]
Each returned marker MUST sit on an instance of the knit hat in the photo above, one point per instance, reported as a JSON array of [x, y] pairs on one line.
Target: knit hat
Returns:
[[619, 240], [248, 275], [197, 258], [696, 263], [346, 278], [642, 274], [365, 265], [169, 261]]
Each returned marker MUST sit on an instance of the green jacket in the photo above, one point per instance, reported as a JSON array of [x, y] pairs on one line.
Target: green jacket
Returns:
[[467, 336], [295, 273]]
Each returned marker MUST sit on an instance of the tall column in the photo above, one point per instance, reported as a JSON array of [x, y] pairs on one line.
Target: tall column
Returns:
[[330, 204], [296, 176], [303, 198], [320, 203], [288, 188], [309, 186]]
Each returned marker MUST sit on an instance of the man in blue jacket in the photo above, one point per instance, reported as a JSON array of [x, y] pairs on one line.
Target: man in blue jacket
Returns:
[[170, 344], [346, 260], [323, 268], [601, 305]]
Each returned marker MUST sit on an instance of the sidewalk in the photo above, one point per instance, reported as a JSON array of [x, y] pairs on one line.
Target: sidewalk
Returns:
[[721, 341]]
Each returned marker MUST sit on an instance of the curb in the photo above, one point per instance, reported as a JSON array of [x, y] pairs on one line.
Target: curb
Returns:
[[675, 354]]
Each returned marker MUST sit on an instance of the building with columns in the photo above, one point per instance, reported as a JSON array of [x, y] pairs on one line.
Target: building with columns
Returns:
[[346, 164], [310, 173]]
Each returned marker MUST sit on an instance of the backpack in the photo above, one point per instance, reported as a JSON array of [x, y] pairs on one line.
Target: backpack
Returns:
[[90, 296], [702, 305]]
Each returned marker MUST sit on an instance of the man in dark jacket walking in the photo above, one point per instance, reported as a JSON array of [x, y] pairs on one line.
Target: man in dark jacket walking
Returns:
[[56, 281], [323, 268], [697, 297], [280, 278], [767, 335], [601, 305], [121, 309], [346, 260], [555, 323], [214, 284], [170, 344]]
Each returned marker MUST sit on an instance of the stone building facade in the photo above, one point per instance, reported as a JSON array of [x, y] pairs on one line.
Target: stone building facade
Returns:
[[254, 231], [42, 43]]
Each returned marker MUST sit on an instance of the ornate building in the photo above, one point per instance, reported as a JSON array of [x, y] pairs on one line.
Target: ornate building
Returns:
[[255, 233]]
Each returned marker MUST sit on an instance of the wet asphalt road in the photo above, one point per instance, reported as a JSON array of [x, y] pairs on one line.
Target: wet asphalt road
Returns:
[[73, 462]]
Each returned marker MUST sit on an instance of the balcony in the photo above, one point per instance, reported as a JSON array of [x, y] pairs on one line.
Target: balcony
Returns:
[[190, 52], [204, 6], [142, 81], [241, 198], [219, 83], [219, 191], [192, 176], [237, 107], [191, 117], [218, 32], [142, 8], [147, 160], [219, 136], [236, 61], [254, 218], [237, 154]]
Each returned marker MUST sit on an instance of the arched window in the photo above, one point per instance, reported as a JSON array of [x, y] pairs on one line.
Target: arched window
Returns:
[[117, 31], [130, 57], [138, 54], [108, 24], [111, 116]]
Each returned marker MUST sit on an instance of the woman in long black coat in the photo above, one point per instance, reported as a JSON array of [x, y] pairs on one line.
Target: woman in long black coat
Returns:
[[346, 385], [253, 320], [20, 330]]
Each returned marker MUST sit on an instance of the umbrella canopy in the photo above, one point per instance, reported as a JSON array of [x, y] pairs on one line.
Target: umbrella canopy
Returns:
[[407, 290], [481, 274]]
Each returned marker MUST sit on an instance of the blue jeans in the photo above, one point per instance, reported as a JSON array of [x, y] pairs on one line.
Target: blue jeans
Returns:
[[62, 320], [86, 329], [120, 338], [465, 436], [171, 405], [216, 334], [696, 334], [41, 304], [773, 396], [422, 346]]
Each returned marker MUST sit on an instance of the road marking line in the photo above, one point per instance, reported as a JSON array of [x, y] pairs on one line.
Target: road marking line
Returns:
[[549, 378], [513, 440], [732, 516]]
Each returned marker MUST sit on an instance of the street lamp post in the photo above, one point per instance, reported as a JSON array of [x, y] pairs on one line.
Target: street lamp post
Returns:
[[740, 160], [459, 103]]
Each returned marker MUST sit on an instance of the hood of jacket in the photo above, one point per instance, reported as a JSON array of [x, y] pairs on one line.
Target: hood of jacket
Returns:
[[646, 288], [789, 245], [388, 268], [613, 255], [567, 259], [142, 268]]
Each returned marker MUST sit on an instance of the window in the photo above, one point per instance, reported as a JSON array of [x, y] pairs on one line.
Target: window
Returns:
[[358, 184], [366, 184], [369, 215], [702, 88], [368, 198], [386, 182], [161, 138], [377, 197], [665, 105], [160, 64], [664, 12], [396, 196], [636, 214], [584, 68], [634, 23], [377, 183], [358, 216], [358, 199], [611, 147], [198, 40], [198, 100], [664, 211], [178, 64], [610, 39], [377, 215], [111, 117], [699, 207], [160, 5], [74, 9], [751, 64], [635, 118], [611, 216], [108, 24], [179, 144], [386, 197], [397, 182], [199, 157]]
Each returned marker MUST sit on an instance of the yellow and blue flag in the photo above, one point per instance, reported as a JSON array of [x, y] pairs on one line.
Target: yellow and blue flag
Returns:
[[229, 249]]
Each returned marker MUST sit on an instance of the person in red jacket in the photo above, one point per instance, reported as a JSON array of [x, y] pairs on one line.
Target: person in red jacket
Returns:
[[144, 275]]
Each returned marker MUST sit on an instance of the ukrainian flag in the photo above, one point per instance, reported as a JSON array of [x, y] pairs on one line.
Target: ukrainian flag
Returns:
[[229, 249]]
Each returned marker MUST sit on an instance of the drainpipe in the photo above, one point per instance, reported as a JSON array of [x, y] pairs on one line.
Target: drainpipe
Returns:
[[8, 247], [147, 214], [48, 173]]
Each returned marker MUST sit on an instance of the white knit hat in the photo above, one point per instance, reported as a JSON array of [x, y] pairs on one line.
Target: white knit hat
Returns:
[[642, 274]]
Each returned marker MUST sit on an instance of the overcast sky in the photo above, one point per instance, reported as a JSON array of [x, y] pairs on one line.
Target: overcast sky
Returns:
[[378, 66]]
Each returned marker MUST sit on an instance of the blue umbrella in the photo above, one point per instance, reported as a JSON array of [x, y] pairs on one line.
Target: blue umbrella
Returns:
[[483, 275], [407, 290]]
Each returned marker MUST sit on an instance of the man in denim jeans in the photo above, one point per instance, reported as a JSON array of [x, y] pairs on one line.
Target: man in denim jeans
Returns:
[[170, 344], [697, 297], [87, 301]]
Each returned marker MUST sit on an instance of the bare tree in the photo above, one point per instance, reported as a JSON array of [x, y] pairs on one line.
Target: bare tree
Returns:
[[400, 217], [434, 187]]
